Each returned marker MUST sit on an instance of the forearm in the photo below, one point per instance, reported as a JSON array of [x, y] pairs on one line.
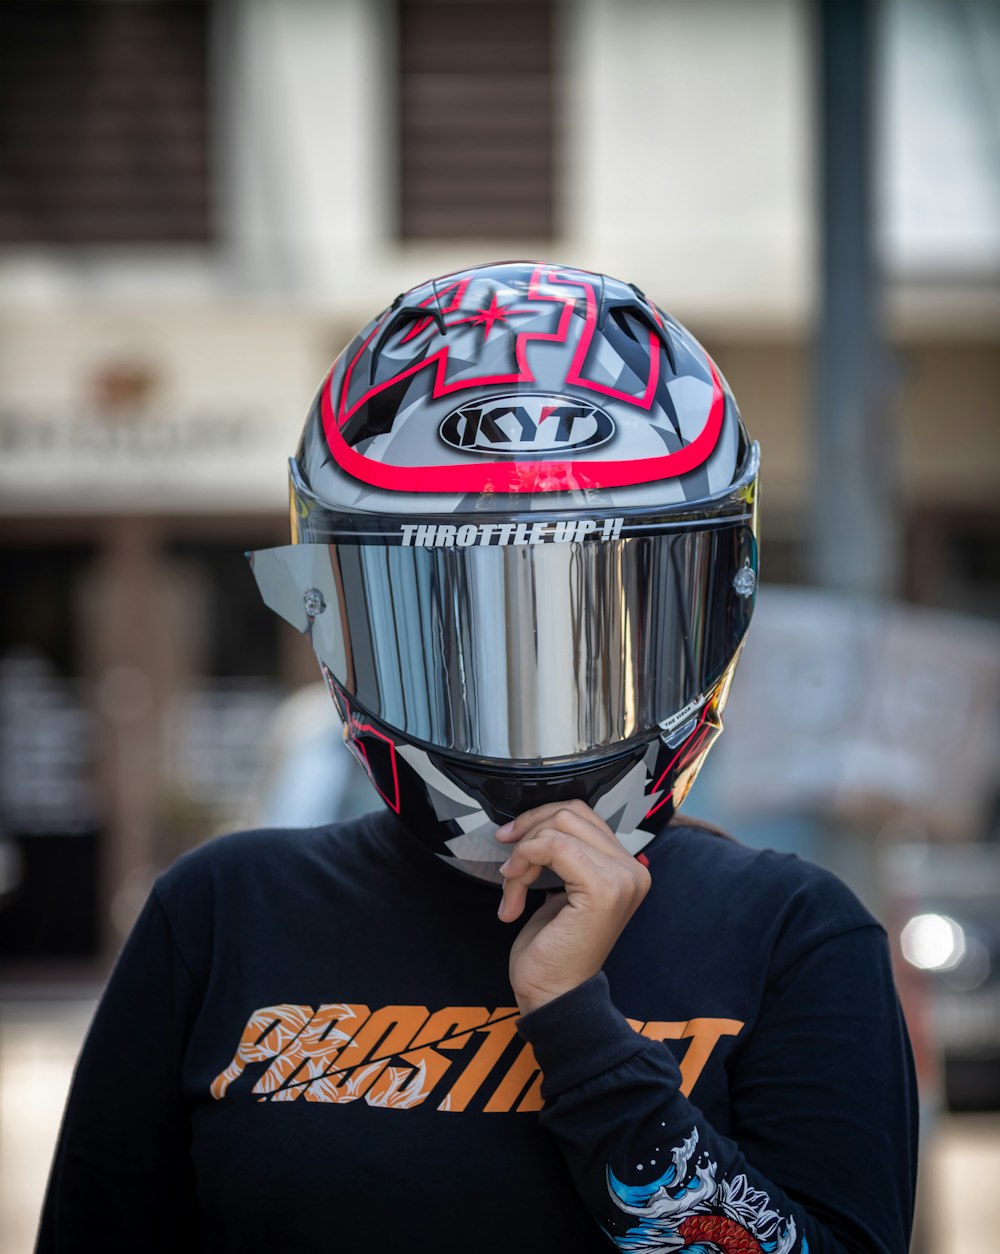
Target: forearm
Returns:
[[657, 1176]]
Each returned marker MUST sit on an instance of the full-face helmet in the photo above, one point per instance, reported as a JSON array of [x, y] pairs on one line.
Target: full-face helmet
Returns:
[[524, 551]]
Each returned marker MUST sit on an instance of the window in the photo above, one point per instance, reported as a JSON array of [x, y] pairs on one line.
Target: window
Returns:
[[103, 127], [476, 118]]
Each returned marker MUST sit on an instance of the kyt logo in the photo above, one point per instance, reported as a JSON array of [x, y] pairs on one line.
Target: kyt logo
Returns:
[[541, 426]]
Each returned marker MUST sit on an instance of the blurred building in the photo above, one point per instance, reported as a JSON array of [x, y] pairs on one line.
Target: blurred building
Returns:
[[199, 204]]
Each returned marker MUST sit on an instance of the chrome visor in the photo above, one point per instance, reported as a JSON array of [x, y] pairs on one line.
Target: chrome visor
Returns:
[[532, 650]]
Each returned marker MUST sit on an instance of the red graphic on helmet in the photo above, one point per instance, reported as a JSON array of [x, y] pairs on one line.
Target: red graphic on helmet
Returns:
[[694, 748], [358, 738], [486, 318], [577, 306]]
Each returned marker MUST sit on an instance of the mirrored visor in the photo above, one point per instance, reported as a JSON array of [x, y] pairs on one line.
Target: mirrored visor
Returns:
[[532, 653]]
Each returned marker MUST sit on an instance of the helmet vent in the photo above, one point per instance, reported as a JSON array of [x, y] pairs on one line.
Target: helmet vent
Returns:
[[399, 315], [639, 307]]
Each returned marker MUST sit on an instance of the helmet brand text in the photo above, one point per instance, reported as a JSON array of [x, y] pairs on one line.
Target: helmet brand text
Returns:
[[448, 536], [526, 426]]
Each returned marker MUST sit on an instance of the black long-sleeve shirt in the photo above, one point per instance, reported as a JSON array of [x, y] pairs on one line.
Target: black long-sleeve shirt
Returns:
[[310, 1040]]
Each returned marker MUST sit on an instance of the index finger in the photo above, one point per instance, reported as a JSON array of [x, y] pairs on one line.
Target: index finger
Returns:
[[582, 812]]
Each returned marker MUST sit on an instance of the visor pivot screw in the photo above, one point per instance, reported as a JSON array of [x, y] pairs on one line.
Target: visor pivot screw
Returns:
[[314, 602], [745, 581]]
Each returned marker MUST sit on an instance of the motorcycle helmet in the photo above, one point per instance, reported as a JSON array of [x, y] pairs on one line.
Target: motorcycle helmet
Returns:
[[523, 515]]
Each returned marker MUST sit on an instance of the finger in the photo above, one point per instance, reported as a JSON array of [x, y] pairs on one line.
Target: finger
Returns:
[[580, 864], [574, 818], [518, 878], [577, 828], [545, 913], [588, 871], [567, 822], [516, 828], [513, 899]]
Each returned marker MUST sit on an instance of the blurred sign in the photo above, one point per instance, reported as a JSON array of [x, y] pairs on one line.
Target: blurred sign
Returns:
[[47, 748], [850, 705], [212, 740], [158, 406], [83, 461]]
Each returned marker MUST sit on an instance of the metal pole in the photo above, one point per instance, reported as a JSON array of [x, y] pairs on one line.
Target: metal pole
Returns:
[[854, 542]]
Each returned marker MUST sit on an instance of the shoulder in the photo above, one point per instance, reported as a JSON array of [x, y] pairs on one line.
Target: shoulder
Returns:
[[248, 888], [781, 898], [258, 874], [239, 855]]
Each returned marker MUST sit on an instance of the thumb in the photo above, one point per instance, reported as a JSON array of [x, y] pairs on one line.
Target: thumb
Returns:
[[545, 913]]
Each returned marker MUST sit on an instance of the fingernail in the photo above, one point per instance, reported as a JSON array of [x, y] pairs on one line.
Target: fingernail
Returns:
[[503, 869], [506, 829]]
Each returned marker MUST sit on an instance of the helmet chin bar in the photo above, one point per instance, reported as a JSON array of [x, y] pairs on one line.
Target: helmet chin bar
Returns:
[[506, 792], [454, 807]]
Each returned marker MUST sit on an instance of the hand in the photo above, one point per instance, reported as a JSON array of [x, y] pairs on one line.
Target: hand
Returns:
[[568, 939]]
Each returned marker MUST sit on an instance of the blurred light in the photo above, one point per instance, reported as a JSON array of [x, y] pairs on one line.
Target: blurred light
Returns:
[[933, 942], [974, 969]]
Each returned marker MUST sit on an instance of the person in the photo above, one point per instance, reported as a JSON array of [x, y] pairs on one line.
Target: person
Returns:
[[524, 550]]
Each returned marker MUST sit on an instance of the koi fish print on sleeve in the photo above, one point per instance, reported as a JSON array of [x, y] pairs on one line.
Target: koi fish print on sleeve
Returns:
[[688, 1207]]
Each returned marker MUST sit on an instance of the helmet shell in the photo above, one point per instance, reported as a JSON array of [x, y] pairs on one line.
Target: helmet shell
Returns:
[[497, 387]]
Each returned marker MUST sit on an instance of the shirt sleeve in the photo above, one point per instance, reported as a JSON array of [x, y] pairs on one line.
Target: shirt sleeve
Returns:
[[821, 1151], [121, 1178]]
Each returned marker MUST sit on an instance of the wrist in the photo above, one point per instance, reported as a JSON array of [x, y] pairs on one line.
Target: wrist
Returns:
[[579, 1035], [533, 997]]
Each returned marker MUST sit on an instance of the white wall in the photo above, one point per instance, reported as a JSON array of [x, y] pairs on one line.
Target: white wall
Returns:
[[940, 138], [305, 152], [689, 129]]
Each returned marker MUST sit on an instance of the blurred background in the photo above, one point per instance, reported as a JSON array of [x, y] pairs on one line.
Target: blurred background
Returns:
[[200, 202]]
